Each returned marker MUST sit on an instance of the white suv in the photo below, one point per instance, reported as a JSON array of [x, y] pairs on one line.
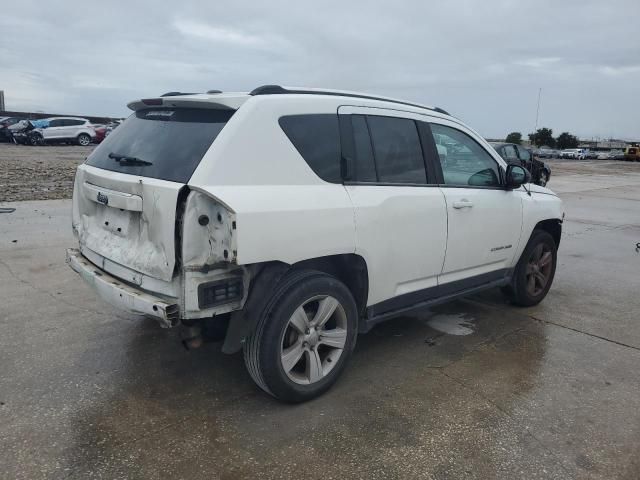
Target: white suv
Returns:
[[293, 219], [576, 153], [68, 129]]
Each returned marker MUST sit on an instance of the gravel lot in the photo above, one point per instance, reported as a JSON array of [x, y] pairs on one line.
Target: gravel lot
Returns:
[[38, 173], [46, 173]]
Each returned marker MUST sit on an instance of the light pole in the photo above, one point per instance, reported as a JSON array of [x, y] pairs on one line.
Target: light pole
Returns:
[[535, 130]]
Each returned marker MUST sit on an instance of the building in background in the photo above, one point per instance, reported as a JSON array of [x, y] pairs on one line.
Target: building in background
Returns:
[[610, 144]]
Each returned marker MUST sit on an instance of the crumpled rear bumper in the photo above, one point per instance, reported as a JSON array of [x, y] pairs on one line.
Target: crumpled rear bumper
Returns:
[[123, 295]]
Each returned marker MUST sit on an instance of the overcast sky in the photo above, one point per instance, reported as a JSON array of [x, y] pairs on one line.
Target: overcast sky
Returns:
[[483, 61]]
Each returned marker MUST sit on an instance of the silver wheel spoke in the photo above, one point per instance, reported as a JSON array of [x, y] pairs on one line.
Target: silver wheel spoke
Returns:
[[537, 253], [546, 258], [531, 286], [326, 307], [314, 366], [291, 356], [542, 280], [299, 320], [335, 338]]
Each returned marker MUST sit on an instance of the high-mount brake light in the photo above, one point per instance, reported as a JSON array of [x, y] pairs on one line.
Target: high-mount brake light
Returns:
[[152, 101]]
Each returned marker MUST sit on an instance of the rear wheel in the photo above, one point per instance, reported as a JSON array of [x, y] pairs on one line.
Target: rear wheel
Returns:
[[84, 139], [536, 268], [303, 338]]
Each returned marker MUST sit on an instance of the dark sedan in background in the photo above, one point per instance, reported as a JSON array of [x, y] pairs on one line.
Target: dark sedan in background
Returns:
[[517, 154], [5, 123]]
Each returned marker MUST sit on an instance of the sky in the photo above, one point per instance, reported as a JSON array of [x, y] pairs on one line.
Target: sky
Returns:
[[483, 61]]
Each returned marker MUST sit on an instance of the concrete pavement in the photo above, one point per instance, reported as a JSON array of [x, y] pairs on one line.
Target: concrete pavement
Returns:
[[546, 392]]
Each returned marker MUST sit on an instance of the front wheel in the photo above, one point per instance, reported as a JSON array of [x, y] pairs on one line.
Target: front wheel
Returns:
[[303, 338], [536, 268], [84, 139], [35, 139]]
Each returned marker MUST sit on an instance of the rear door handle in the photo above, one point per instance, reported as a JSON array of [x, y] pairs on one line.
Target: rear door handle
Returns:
[[462, 204]]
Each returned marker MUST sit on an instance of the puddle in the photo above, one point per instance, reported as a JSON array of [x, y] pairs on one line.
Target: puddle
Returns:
[[454, 324]]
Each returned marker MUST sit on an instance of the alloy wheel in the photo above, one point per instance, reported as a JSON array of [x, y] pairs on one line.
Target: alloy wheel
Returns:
[[313, 340], [539, 269]]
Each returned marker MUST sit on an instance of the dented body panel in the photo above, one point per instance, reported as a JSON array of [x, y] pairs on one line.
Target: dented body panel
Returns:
[[118, 293], [128, 219]]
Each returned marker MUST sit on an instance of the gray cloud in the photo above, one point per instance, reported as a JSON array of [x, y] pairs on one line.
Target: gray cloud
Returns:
[[482, 60]]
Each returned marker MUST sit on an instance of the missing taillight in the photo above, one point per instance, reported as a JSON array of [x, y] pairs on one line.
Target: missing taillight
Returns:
[[211, 294]]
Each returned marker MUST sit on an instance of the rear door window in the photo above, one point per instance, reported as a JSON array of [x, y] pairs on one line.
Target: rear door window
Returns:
[[397, 150], [317, 139], [167, 144]]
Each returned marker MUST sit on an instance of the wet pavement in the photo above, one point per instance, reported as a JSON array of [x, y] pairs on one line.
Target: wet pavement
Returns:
[[476, 389]]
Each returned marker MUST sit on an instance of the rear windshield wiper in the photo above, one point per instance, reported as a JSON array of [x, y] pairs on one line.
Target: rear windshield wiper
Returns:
[[126, 160]]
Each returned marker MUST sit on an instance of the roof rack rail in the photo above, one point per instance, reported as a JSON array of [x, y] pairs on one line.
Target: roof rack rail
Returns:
[[279, 90], [214, 91], [176, 94]]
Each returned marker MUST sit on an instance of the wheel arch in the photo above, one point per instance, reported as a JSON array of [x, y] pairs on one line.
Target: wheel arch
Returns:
[[350, 269], [553, 227]]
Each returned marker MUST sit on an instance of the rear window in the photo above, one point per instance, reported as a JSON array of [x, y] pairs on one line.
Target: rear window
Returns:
[[317, 139], [397, 150], [167, 144]]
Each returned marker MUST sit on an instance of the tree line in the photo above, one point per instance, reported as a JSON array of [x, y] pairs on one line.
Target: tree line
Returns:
[[544, 137]]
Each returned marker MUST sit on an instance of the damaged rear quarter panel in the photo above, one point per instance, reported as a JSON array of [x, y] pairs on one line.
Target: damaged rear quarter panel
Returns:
[[208, 233], [287, 223]]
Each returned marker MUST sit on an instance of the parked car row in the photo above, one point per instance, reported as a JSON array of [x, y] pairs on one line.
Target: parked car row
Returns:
[[630, 153], [71, 130]]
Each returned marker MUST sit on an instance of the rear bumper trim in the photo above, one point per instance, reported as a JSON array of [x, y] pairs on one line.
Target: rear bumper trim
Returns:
[[122, 295]]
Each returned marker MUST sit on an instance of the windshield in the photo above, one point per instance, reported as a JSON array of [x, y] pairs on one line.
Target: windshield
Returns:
[[167, 144]]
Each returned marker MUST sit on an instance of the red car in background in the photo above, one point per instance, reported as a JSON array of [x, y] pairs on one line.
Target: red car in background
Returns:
[[101, 131]]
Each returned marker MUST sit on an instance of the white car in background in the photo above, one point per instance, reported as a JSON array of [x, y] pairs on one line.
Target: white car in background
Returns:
[[573, 153], [67, 129], [297, 218]]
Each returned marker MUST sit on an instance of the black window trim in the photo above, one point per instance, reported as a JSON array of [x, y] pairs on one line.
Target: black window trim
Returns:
[[436, 162]]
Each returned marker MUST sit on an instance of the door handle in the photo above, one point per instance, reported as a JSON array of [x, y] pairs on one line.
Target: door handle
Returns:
[[462, 204]]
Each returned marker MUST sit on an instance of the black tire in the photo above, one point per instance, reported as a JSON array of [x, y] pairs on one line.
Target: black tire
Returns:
[[522, 293], [35, 140], [83, 139], [264, 347]]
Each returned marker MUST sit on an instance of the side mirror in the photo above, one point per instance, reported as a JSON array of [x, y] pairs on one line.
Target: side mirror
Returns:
[[517, 176]]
